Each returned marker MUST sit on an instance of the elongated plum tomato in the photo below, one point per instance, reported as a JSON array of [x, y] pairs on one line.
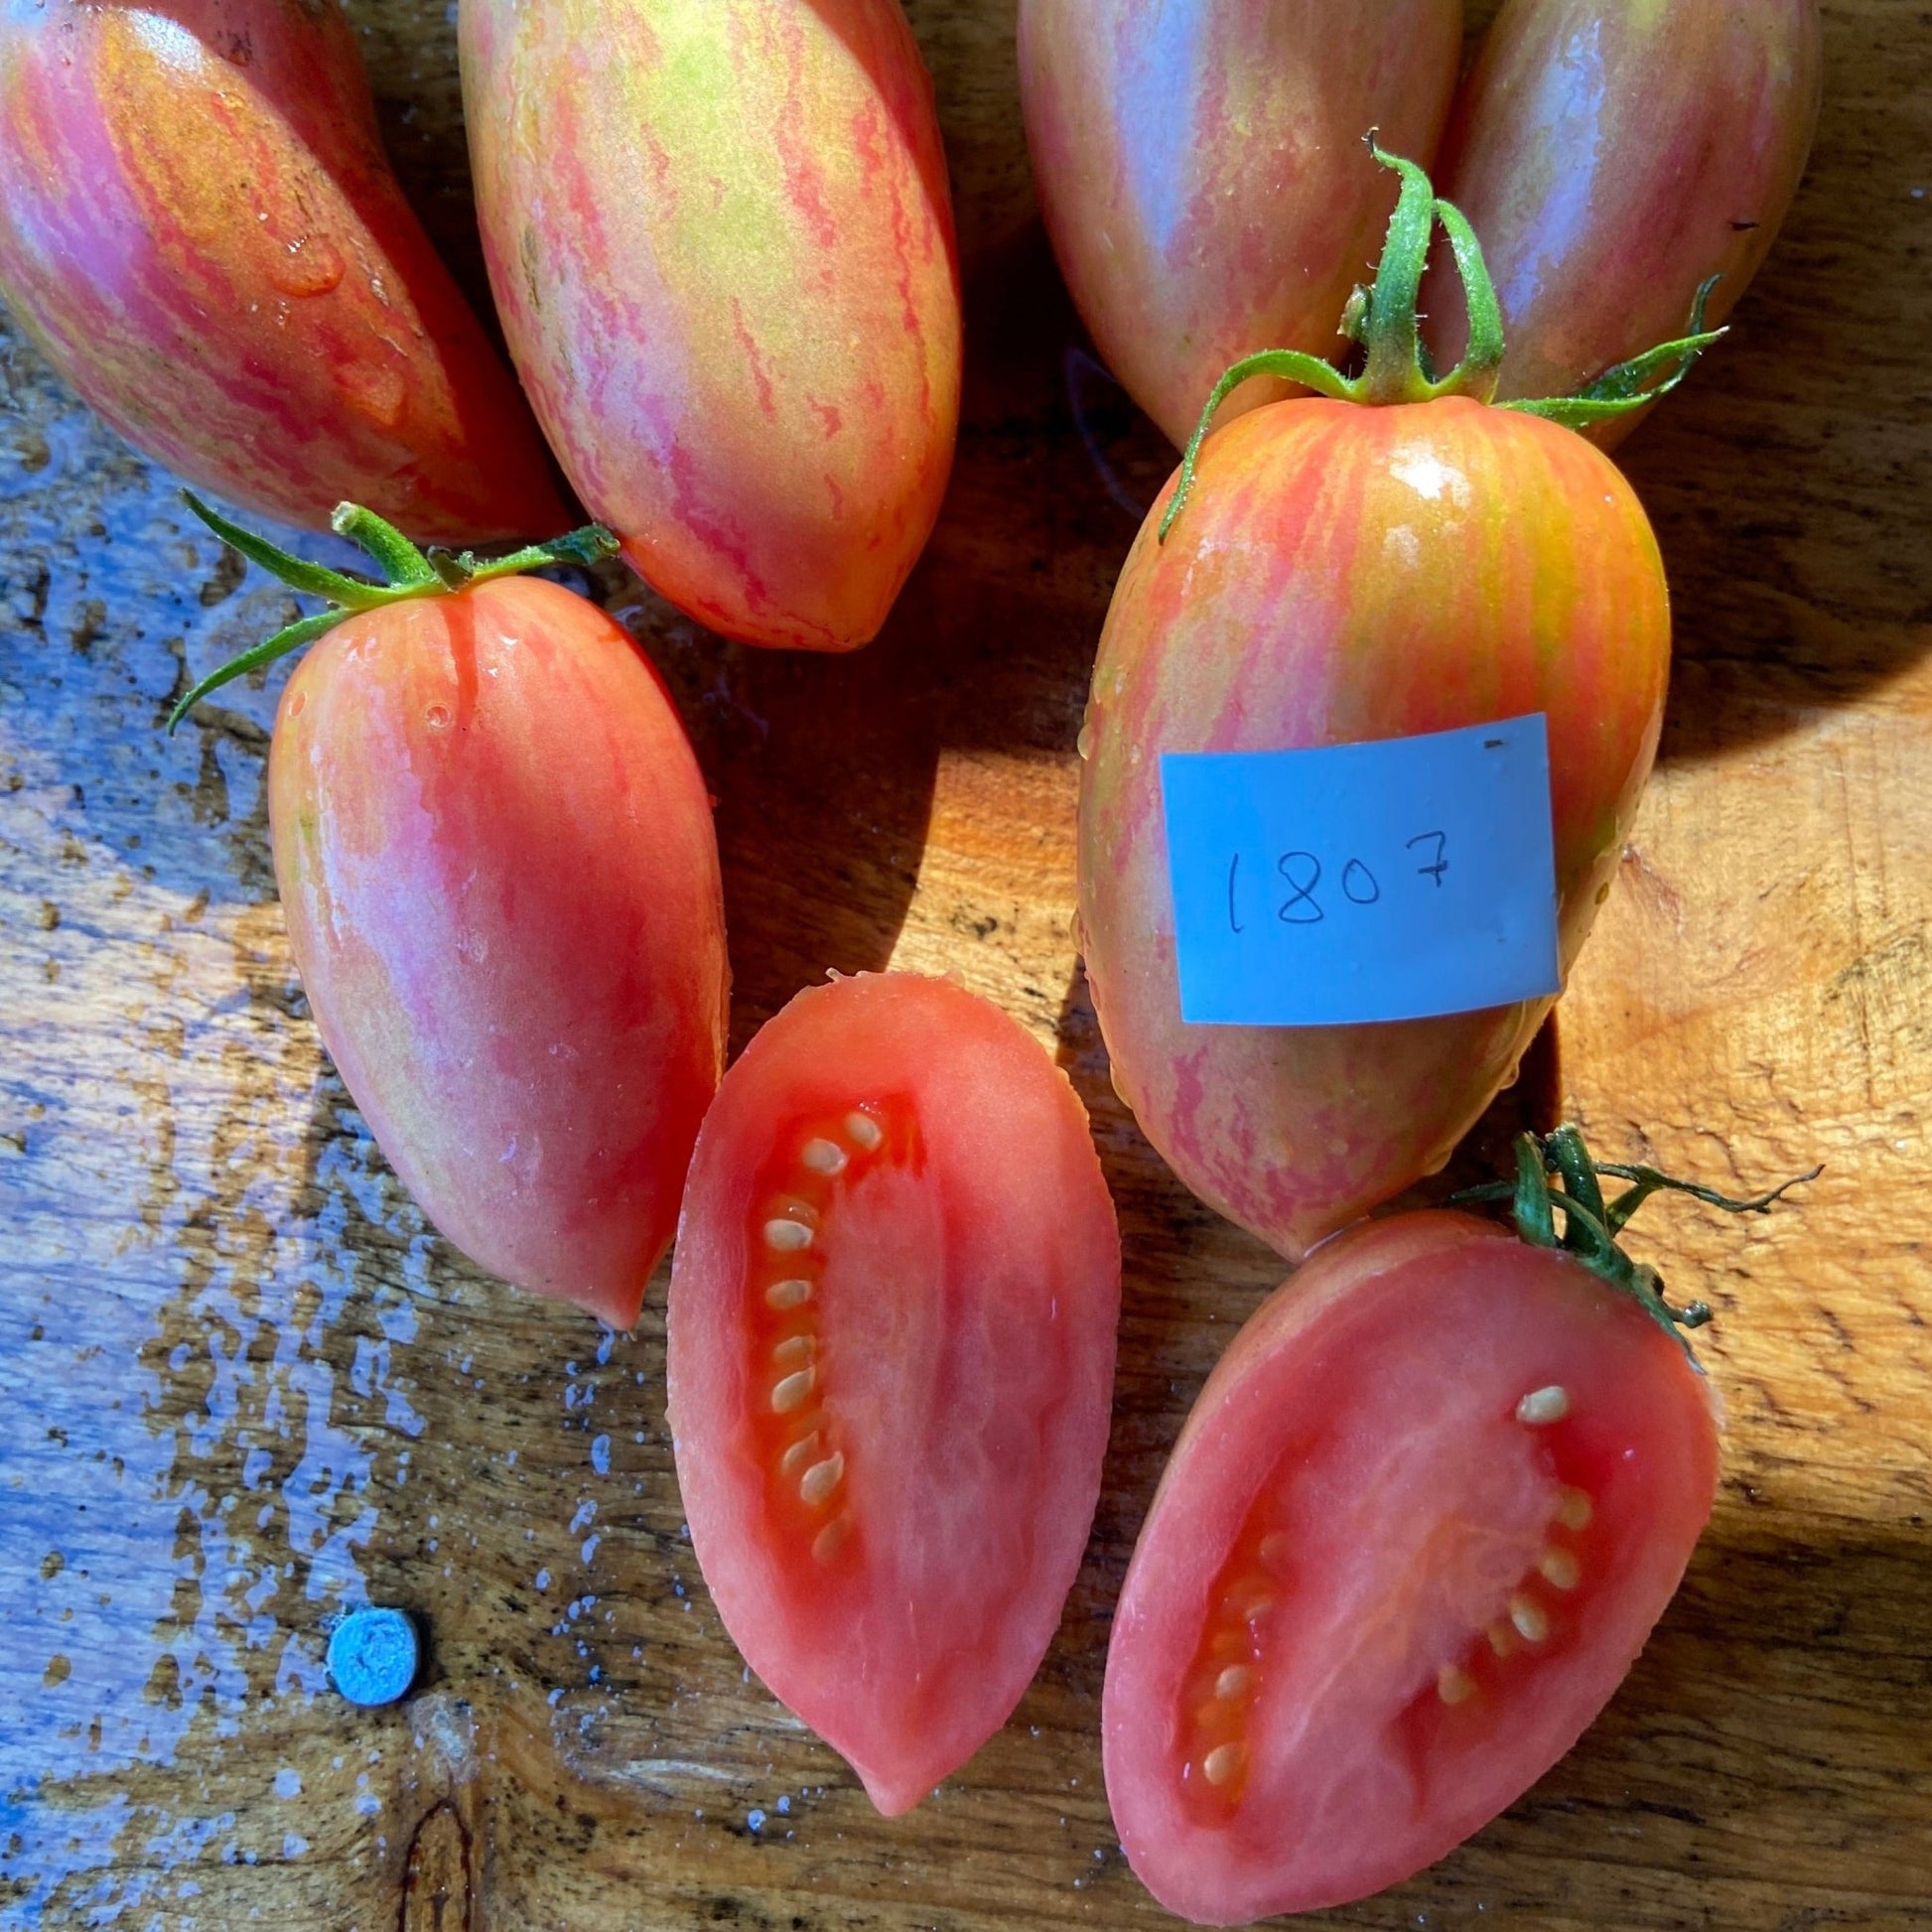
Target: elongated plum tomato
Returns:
[[497, 862], [1412, 1536], [722, 247], [1339, 573], [1198, 163], [892, 1355], [201, 234], [1612, 158]]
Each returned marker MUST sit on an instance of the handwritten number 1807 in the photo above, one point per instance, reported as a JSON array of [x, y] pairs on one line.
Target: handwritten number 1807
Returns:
[[1303, 874]]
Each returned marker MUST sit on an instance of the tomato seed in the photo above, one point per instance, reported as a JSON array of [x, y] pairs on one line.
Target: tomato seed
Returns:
[[824, 1157], [791, 1392], [1531, 1621], [821, 1479], [787, 1295], [794, 1350], [1574, 1509], [787, 1236], [1275, 1551], [1560, 1567], [1222, 1762], [1454, 1685], [1233, 1682], [1544, 1404], [865, 1130]]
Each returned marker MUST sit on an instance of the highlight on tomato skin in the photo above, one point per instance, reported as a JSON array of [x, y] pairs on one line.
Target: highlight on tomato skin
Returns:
[[719, 237], [1419, 1524], [893, 1312], [1342, 573], [1611, 159], [1199, 169], [201, 234], [496, 857]]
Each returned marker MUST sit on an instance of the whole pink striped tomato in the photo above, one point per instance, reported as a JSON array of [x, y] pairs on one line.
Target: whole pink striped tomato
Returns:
[[200, 230], [497, 861], [1344, 573], [1198, 163], [722, 245], [1613, 158]]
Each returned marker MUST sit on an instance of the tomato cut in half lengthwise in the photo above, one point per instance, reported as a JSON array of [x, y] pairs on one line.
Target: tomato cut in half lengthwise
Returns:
[[1415, 1531], [892, 1353]]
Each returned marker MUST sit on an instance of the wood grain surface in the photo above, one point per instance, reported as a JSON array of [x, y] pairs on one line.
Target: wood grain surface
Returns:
[[243, 1389]]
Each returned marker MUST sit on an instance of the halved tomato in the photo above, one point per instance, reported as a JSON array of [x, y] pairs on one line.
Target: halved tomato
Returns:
[[1412, 1536], [892, 1354]]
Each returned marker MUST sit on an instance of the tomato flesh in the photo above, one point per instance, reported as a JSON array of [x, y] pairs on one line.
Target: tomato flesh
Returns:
[[891, 1355], [1414, 1535]]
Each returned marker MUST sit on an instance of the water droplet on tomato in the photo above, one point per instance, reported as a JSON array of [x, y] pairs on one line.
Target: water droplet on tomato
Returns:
[[308, 265]]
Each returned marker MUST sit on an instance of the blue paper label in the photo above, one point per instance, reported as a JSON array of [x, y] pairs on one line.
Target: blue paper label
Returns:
[[1393, 881]]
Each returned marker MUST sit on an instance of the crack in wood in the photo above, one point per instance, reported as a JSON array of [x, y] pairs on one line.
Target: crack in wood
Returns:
[[436, 1894]]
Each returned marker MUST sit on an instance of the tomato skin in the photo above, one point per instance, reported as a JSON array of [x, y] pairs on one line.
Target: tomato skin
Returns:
[[1201, 171], [1343, 574], [1382, 1379], [965, 1297], [201, 234], [497, 860], [1611, 157], [751, 367]]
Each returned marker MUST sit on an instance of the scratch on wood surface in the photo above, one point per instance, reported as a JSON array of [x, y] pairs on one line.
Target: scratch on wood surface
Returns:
[[436, 1889]]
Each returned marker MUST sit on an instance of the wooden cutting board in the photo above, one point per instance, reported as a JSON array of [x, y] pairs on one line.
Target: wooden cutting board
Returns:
[[243, 1388]]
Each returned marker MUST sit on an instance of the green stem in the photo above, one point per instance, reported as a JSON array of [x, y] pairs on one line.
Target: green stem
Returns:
[[1290, 366], [402, 563], [411, 574], [1591, 1228], [1482, 360], [1397, 371], [1390, 331], [1633, 385]]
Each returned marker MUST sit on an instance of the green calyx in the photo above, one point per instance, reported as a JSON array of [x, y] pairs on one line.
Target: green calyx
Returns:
[[410, 572], [1592, 1224], [1382, 319]]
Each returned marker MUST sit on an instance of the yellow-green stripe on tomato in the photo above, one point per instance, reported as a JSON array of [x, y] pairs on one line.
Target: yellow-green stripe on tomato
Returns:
[[722, 247]]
